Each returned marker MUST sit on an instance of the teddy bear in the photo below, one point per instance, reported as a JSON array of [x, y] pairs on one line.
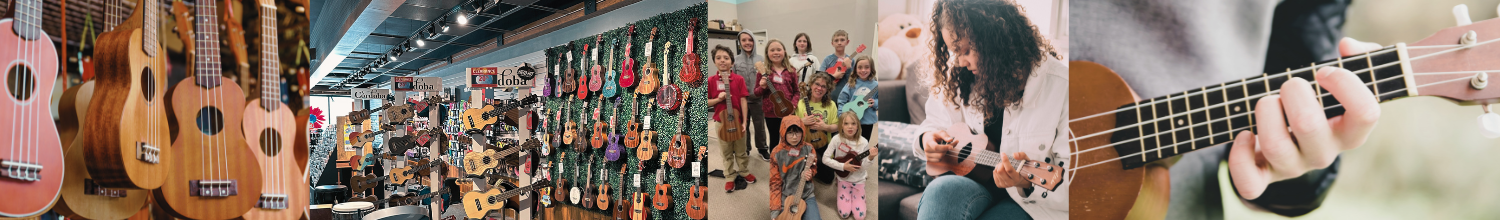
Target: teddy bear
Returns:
[[904, 38]]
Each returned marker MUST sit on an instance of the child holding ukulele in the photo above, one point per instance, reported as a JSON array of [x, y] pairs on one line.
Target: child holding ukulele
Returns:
[[849, 143]]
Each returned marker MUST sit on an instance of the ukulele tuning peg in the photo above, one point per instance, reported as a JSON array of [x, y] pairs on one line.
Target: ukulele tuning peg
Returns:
[[1461, 14], [1489, 123]]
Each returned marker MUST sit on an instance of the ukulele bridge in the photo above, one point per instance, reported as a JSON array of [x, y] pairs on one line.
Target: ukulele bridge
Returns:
[[89, 188], [147, 153], [21, 170], [272, 201], [213, 188]]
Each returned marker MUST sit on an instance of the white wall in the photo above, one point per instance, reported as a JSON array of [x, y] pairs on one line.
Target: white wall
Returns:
[[783, 19]]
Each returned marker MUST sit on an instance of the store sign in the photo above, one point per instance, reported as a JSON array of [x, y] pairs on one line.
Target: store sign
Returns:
[[364, 93], [500, 77], [416, 84]]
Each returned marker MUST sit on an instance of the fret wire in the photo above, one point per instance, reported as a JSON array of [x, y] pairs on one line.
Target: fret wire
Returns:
[[1140, 131], [1194, 145], [1376, 87], [1243, 81], [1171, 123]]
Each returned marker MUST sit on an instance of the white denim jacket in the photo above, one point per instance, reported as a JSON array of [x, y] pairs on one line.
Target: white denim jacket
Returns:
[[1038, 127]]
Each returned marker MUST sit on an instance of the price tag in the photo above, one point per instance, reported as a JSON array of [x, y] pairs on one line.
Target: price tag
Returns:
[[570, 57], [695, 170], [637, 180], [648, 122]]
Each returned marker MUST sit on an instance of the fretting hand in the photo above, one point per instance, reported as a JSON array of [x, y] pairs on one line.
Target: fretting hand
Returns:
[[1312, 140], [1006, 176]]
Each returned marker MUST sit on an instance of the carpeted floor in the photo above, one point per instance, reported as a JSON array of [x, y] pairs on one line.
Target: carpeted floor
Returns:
[[753, 202]]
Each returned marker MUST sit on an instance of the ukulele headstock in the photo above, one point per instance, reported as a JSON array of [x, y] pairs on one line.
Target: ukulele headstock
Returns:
[[1457, 63]]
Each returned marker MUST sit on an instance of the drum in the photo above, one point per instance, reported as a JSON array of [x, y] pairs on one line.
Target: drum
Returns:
[[352, 210], [330, 194], [406, 212]]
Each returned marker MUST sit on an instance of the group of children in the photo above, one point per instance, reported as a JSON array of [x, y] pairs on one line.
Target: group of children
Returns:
[[795, 160]]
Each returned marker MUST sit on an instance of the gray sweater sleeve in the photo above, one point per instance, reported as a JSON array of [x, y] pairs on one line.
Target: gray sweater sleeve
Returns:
[[1164, 47]]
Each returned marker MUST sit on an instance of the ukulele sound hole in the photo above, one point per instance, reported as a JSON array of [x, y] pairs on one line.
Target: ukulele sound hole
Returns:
[[20, 82], [210, 120], [270, 142], [148, 84]]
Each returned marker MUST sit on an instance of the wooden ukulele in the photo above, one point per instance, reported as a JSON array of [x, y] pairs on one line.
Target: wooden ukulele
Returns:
[[234, 39], [412, 170], [971, 149], [562, 182], [632, 127], [360, 182], [853, 159], [80, 196], [614, 150], [697, 205], [568, 85], [398, 114], [477, 162], [662, 200], [478, 118], [412, 199], [680, 143], [610, 75], [571, 131], [647, 150], [33, 163], [596, 77], [627, 68], [818, 138], [126, 124], [692, 65], [270, 128], [793, 206], [479, 204], [583, 81], [603, 193], [1110, 147], [732, 126], [207, 108], [588, 186], [639, 210], [622, 202], [648, 76], [359, 117], [554, 81], [780, 103], [668, 93], [598, 137]]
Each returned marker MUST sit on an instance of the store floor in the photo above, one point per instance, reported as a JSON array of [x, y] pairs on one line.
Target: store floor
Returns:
[[753, 202]]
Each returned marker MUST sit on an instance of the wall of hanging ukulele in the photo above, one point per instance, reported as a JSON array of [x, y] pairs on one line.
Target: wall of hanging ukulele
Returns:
[[625, 117]]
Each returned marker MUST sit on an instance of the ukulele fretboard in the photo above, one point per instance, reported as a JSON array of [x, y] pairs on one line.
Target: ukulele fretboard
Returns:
[[1165, 126]]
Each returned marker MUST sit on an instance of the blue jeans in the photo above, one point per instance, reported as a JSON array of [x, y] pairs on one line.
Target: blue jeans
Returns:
[[811, 213], [957, 197]]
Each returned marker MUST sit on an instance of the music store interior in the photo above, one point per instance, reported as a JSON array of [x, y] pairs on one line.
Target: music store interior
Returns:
[[508, 109]]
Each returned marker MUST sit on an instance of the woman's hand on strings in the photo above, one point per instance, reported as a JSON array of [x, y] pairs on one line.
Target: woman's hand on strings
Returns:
[[1295, 135]]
